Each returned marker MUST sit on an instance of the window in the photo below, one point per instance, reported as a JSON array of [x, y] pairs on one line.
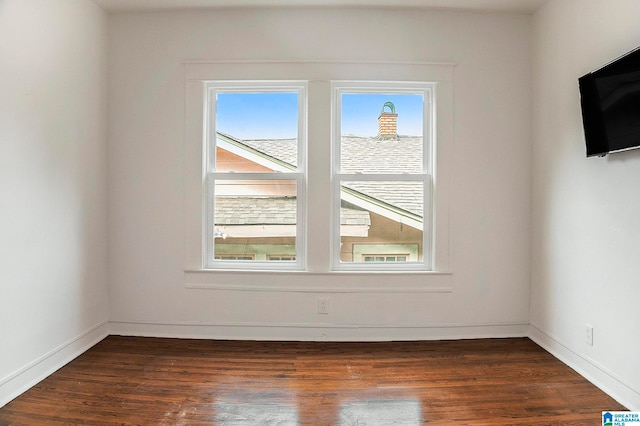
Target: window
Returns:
[[281, 257], [287, 180], [382, 174], [385, 258], [234, 257], [385, 252], [255, 174]]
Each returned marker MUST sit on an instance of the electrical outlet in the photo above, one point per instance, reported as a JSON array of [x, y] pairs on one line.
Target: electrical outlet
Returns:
[[589, 335], [323, 305]]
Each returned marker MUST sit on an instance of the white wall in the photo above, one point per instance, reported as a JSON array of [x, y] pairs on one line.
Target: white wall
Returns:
[[53, 282], [490, 219], [586, 232]]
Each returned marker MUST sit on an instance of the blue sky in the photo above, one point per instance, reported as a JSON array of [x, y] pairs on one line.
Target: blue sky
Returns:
[[257, 115], [360, 113], [274, 115]]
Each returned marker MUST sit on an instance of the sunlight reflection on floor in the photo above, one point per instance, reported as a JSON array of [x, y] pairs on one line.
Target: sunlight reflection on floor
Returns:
[[381, 412]]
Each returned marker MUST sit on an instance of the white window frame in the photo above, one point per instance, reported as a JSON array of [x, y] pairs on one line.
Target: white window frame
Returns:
[[427, 90], [212, 88], [318, 256]]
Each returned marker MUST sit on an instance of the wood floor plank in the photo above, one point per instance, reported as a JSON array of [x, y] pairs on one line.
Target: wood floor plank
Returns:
[[150, 381]]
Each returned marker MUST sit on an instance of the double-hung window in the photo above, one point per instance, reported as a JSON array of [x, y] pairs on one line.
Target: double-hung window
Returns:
[[382, 162], [317, 166], [255, 179]]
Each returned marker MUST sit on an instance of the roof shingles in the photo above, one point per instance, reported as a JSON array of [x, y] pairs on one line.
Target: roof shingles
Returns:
[[359, 155], [234, 210]]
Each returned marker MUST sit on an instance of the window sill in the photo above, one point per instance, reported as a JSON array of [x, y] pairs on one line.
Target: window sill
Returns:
[[320, 282]]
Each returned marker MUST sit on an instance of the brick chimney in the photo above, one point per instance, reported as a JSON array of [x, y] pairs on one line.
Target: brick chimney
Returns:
[[388, 123]]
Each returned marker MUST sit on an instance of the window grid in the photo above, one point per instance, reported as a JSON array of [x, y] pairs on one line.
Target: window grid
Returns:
[[234, 257], [386, 257], [342, 178], [282, 172]]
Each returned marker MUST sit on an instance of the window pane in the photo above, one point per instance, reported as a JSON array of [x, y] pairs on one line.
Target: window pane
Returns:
[[256, 132], [381, 221], [281, 257], [381, 133], [255, 220], [233, 257]]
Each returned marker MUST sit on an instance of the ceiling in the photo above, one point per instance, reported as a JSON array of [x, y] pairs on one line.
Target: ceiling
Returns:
[[516, 6]]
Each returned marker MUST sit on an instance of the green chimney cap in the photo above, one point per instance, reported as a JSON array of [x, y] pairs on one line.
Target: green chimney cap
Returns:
[[391, 106]]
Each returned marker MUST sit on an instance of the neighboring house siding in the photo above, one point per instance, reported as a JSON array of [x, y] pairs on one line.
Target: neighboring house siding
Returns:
[[227, 161], [383, 231]]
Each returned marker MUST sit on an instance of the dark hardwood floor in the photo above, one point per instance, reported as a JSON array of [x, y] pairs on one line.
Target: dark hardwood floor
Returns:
[[149, 381]]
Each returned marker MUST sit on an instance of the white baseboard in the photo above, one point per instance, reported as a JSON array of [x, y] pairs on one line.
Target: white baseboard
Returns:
[[31, 374], [316, 332], [588, 368]]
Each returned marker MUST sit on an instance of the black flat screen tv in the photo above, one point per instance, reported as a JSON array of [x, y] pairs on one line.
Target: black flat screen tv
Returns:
[[610, 102]]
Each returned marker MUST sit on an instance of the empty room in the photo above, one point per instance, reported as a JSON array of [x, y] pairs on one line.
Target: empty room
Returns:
[[318, 212]]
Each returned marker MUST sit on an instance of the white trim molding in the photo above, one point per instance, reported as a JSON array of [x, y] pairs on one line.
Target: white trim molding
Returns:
[[309, 282], [607, 381], [317, 331], [37, 370]]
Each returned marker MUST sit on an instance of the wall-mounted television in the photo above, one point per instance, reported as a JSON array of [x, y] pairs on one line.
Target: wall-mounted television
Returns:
[[610, 101]]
